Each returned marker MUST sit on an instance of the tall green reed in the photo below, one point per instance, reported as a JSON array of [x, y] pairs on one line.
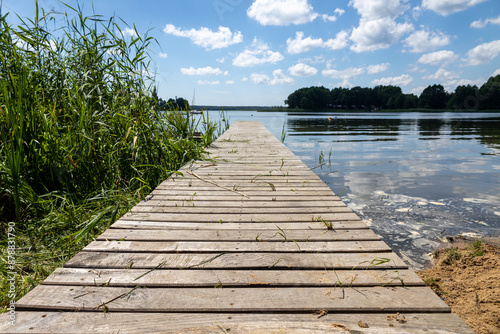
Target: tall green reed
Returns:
[[80, 139]]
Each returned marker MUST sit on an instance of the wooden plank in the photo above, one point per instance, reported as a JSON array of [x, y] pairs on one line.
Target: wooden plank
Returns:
[[239, 162], [232, 278], [262, 299], [231, 196], [189, 178], [253, 167], [249, 192], [222, 157], [228, 246], [242, 185], [268, 235], [253, 173], [151, 201], [235, 210], [240, 261], [142, 323], [235, 218], [258, 178], [164, 225]]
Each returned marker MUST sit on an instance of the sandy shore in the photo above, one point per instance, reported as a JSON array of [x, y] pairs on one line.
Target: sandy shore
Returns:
[[466, 274]]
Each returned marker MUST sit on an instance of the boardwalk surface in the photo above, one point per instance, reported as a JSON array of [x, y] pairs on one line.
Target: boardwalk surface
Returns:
[[248, 241]]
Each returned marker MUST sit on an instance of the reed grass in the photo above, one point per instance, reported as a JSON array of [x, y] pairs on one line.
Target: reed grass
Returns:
[[81, 140]]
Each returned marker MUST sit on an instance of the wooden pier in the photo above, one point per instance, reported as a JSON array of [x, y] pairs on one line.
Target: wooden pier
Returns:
[[249, 240]]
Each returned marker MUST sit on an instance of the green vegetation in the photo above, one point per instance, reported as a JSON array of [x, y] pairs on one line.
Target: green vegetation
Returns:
[[452, 255], [476, 249], [434, 97], [81, 140]]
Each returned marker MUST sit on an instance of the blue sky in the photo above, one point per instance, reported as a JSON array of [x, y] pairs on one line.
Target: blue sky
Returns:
[[236, 52]]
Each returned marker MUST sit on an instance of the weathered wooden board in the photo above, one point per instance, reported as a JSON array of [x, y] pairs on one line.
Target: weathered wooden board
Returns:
[[241, 210], [311, 323], [231, 196], [164, 225], [248, 192], [183, 183], [251, 299], [174, 179], [226, 261], [289, 246], [233, 278], [240, 187], [264, 235], [244, 217], [257, 178], [151, 201], [253, 173], [280, 165]]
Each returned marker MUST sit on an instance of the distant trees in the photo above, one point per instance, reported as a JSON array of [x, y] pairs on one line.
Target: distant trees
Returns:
[[178, 103], [312, 98], [387, 97], [433, 97], [171, 104], [464, 98], [392, 97], [489, 94]]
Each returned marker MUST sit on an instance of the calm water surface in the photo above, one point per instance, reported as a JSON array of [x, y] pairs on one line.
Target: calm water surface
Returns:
[[413, 177]]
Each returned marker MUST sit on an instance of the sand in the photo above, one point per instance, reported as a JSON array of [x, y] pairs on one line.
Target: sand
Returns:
[[466, 274]]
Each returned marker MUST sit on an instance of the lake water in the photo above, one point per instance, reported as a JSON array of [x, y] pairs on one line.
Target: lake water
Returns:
[[414, 178]]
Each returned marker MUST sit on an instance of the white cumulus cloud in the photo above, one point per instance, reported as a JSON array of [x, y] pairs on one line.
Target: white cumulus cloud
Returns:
[[378, 28], [339, 42], [207, 38], [443, 75], [203, 71], [448, 79], [281, 12], [377, 34], [442, 57], [337, 12], [447, 7], [299, 44], [162, 55], [352, 72], [129, 32], [373, 69], [483, 53], [402, 80], [302, 70], [207, 82], [348, 73], [377, 9], [278, 78], [424, 40], [259, 54], [315, 60], [483, 23], [262, 79]]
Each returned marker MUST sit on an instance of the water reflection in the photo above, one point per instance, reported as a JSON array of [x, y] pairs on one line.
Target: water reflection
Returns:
[[413, 177]]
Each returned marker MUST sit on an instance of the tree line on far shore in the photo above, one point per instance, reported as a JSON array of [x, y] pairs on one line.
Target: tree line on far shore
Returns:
[[486, 97], [178, 103]]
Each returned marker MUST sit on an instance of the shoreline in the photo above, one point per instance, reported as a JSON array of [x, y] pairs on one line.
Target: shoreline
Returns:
[[466, 274], [415, 110]]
